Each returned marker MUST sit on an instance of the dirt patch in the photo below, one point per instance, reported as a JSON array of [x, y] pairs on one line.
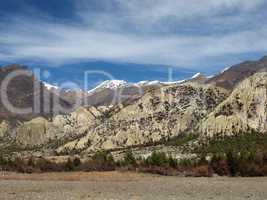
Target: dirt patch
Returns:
[[127, 185]]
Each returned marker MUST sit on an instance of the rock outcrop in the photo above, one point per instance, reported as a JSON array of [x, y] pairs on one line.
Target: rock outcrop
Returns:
[[32, 132], [160, 114], [4, 129], [245, 109], [40, 131]]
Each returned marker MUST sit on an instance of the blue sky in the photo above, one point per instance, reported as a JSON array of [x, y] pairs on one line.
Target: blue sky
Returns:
[[204, 35], [98, 71]]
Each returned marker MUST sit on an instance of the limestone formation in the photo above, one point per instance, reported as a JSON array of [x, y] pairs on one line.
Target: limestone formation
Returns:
[[159, 115], [245, 109]]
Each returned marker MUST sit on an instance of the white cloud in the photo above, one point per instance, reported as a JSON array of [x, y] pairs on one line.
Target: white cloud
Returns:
[[154, 10], [54, 42]]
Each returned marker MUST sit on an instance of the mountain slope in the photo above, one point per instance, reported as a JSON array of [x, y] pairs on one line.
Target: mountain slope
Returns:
[[160, 114], [245, 109], [231, 76], [25, 91]]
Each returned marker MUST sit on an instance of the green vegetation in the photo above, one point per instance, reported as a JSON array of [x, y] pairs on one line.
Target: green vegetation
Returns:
[[182, 139], [128, 159], [157, 159], [12, 147], [243, 154], [243, 143], [101, 161]]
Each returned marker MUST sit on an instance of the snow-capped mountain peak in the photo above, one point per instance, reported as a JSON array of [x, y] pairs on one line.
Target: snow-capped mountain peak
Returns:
[[156, 82], [225, 69], [116, 84], [113, 84], [196, 75], [147, 83], [50, 87], [110, 84]]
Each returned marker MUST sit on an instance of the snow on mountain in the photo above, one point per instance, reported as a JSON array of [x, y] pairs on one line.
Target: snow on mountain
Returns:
[[142, 83], [221, 72], [149, 83], [174, 82], [110, 84], [50, 87], [116, 84], [211, 76], [225, 69], [196, 75], [59, 89]]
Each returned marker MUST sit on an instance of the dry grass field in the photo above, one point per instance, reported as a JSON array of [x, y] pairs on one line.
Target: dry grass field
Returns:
[[127, 185]]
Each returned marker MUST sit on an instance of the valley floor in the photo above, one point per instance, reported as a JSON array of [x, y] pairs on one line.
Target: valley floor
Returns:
[[126, 185]]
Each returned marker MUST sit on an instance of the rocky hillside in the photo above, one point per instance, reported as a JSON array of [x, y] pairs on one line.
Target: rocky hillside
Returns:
[[231, 76], [110, 92], [245, 109], [161, 114], [21, 92], [62, 128]]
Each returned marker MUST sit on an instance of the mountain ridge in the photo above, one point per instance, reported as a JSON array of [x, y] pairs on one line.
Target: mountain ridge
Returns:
[[231, 76], [161, 113]]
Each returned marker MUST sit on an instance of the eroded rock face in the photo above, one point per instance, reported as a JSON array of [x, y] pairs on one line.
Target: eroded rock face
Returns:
[[245, 109], [32, 132], [159, 115], [40, 131], [78, 121], [4, 129]]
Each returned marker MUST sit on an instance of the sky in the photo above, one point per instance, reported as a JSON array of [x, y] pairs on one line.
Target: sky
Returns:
[[193, 34]]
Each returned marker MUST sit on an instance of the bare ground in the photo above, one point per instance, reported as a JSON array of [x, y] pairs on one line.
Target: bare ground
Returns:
[[127, 185]]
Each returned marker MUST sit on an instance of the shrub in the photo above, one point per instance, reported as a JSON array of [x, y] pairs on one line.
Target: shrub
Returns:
[[3, 160], [185, 162], [72, 164], [103, 156], [202, 171], [69, 166], [101, 161], [157, 159], [182, 139], [129, 159], [242, 154], [219, 165], [172, 162], [76, 162]]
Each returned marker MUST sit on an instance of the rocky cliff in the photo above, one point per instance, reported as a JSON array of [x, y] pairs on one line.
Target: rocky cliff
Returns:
[[160, 114], [245, 109]]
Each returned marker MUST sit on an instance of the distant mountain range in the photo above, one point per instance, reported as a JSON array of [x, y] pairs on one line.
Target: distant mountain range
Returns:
[[21, 90], [231, 76], [100, 71]]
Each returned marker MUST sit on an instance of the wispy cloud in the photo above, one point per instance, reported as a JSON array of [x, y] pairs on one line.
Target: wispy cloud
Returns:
[[150, 31]]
